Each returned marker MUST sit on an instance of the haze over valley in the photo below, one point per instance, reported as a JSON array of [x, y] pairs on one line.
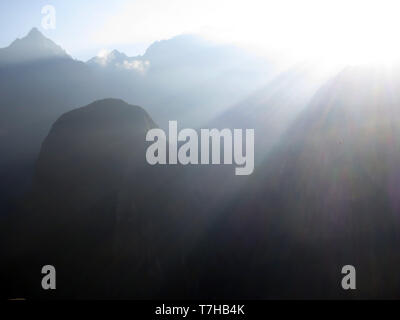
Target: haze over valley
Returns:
[[76, 190]]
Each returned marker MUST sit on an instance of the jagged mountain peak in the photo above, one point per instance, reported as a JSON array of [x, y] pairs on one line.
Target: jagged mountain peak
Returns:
[[34, 33], [34, 46]]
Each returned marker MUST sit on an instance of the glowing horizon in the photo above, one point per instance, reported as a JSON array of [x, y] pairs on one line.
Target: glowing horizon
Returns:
[[336, 32]]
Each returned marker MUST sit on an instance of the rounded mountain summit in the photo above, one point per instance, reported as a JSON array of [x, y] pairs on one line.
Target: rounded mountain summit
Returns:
[[93, 148]]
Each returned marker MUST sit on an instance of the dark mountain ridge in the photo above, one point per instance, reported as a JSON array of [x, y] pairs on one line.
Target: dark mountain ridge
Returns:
[[80, 172]]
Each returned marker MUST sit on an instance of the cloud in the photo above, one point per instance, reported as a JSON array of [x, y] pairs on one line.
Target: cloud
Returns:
[[137, 65], [102, 57], [103, 53]]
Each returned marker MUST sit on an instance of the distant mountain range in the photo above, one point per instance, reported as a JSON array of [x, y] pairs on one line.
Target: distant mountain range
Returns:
[[120, 61], [185, 78]]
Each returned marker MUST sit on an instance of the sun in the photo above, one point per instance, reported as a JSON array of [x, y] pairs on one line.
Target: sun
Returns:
[[365, 32], [344, 32], [337, 32]]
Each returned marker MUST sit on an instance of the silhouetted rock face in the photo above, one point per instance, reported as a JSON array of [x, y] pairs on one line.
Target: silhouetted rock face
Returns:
[[70, 217], [89, 150]]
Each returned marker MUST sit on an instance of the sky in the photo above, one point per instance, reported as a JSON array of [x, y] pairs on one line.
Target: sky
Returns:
[[347, 30]]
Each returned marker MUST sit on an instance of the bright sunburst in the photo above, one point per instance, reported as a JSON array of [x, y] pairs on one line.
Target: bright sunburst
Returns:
[[349, 32]]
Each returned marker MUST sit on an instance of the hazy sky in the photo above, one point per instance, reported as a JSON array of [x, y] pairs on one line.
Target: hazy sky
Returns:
[[340, 29]]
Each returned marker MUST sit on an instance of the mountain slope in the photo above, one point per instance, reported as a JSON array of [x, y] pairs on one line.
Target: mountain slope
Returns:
[[80, 173], [40, 84], [328, 196], [194, 79], [271, 110]]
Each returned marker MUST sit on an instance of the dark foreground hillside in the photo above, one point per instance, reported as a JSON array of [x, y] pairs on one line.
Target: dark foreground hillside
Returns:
[[116, 227]]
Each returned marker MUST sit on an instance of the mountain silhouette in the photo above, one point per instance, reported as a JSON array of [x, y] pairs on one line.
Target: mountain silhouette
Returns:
[[33, 47], [105, 134], [81, 169]]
